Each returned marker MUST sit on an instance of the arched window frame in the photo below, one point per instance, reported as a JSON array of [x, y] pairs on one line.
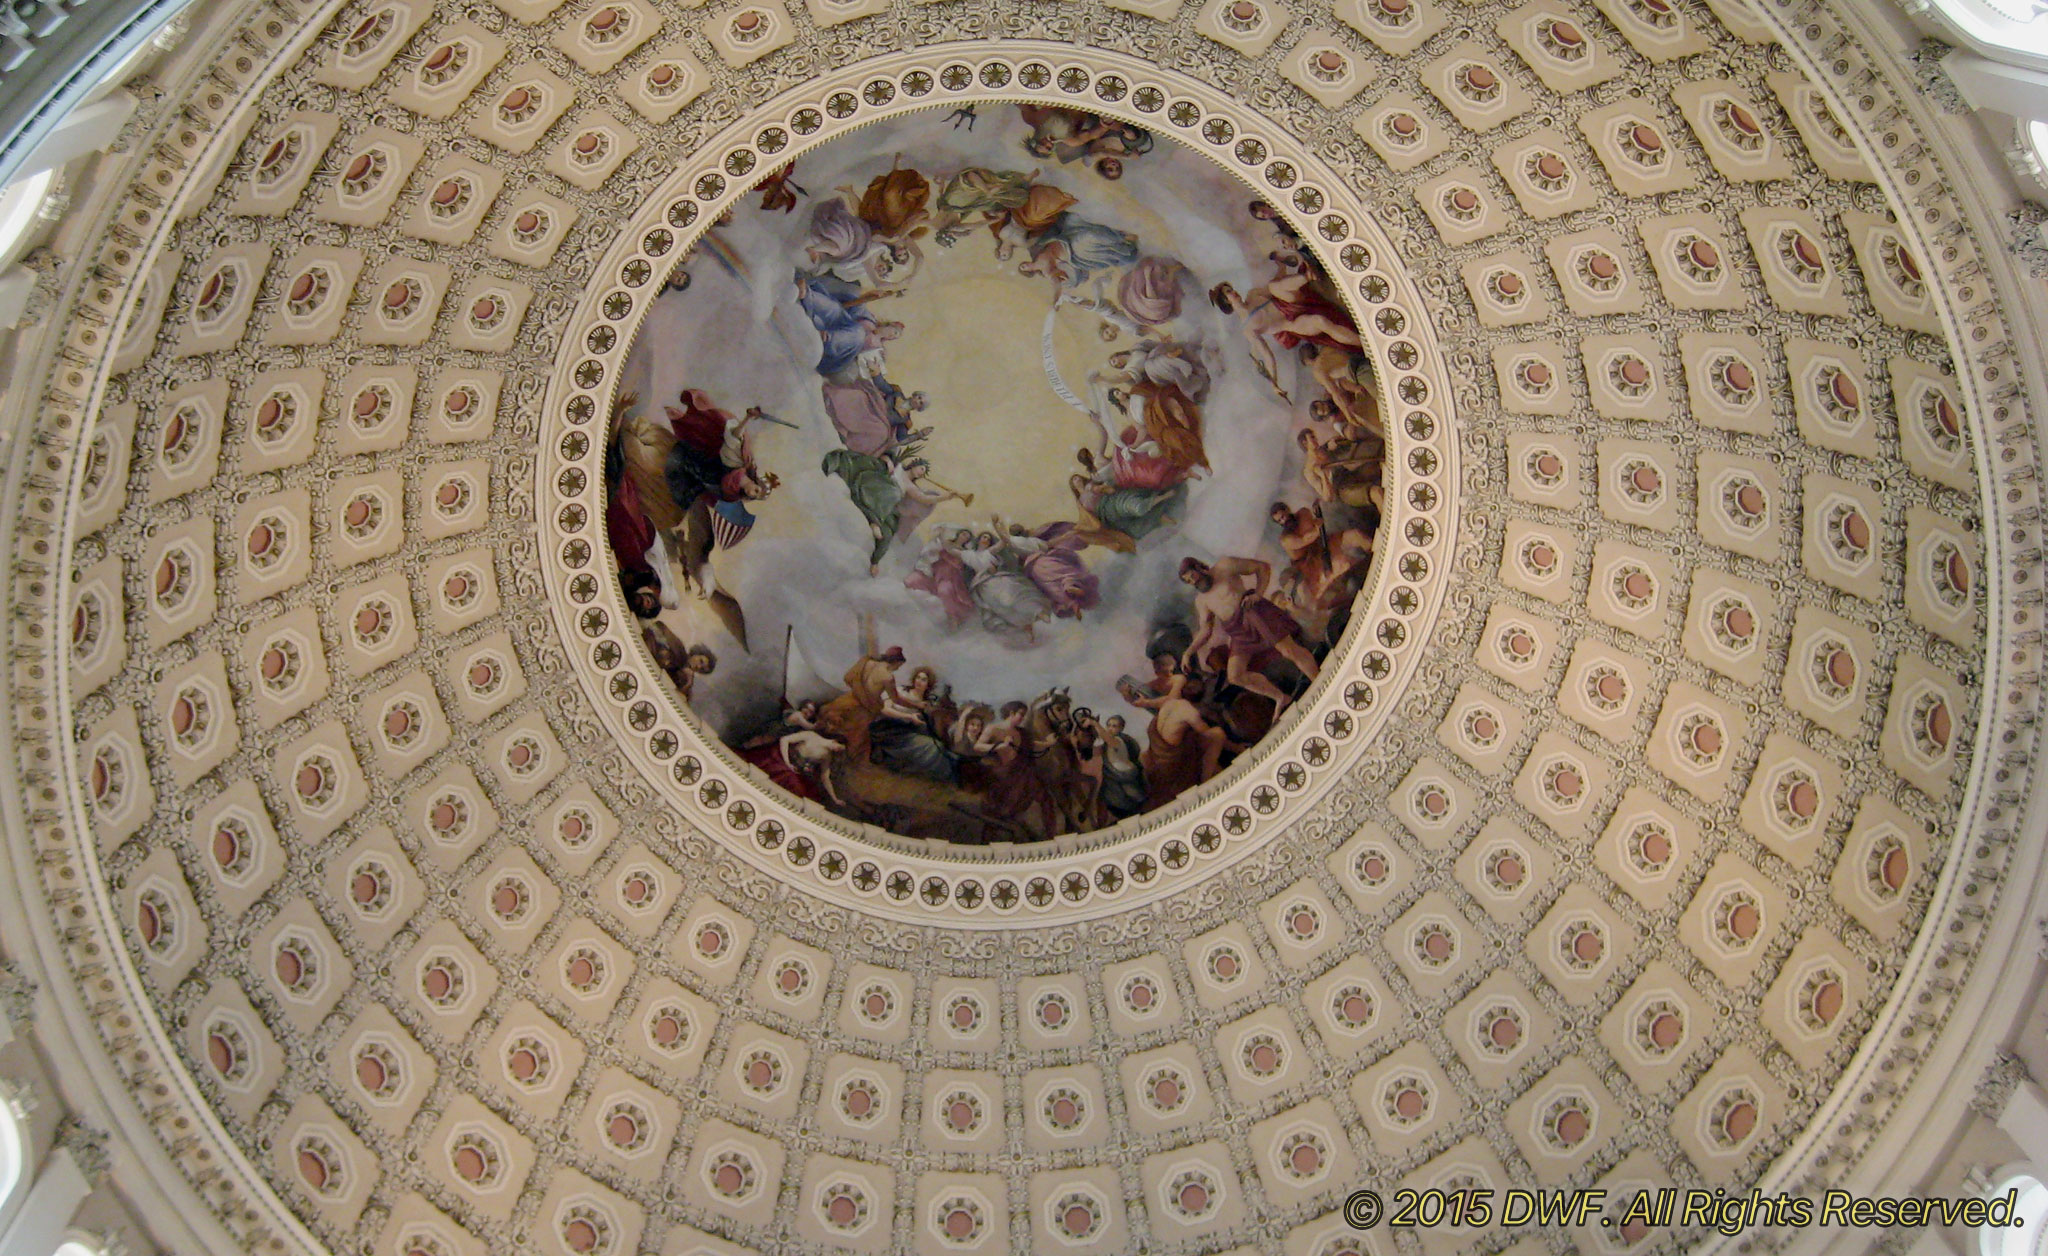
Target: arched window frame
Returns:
[[2022, 1240], [14, 1153], [2015, 31]]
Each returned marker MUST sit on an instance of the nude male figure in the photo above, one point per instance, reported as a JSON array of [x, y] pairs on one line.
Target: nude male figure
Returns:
[[1182, 749], [1233, 611]]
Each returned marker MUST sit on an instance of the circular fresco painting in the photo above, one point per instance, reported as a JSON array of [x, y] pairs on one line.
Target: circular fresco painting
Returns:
[[995, 475]]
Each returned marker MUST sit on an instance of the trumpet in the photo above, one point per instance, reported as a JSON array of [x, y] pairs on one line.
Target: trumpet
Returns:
[[966, 499], [922, 473]]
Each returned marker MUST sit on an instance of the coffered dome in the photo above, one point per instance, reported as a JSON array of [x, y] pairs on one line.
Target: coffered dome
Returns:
[[1585, 750]]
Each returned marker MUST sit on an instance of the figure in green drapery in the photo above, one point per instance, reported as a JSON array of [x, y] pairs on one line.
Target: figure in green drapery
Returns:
[[893, 497]]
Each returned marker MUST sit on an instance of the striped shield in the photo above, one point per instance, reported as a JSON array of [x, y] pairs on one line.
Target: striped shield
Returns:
[[730, 523]]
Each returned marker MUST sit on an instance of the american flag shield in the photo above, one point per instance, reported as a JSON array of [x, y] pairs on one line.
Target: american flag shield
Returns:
[[730, 523]]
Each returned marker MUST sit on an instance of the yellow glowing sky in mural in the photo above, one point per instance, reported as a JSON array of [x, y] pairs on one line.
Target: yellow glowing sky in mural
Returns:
[[965, 299]]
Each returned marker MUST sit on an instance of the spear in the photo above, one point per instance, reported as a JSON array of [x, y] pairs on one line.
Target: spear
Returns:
[[758, 413]]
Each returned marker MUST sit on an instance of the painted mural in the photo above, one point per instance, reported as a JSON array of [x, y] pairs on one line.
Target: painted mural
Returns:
[[996, 474]]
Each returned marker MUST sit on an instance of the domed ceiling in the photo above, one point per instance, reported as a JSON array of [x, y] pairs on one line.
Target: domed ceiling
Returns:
[[938, 311], [545, 517]]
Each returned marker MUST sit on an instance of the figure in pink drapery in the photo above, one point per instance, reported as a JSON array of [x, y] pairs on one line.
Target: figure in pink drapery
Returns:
[[1150, 291], [941, 573], [1051, 556]]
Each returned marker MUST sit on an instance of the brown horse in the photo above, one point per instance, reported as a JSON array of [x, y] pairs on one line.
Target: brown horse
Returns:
[[1049, 732]]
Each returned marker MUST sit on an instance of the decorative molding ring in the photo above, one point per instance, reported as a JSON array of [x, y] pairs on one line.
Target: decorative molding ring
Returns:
[[862, 867]]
